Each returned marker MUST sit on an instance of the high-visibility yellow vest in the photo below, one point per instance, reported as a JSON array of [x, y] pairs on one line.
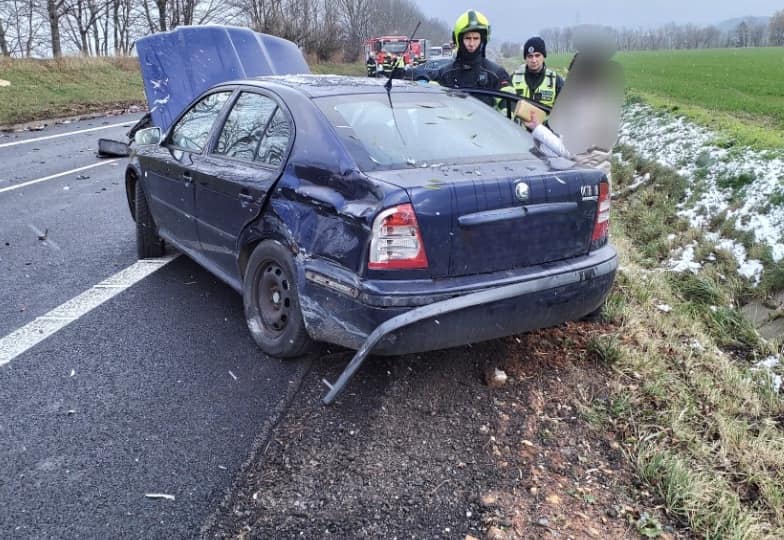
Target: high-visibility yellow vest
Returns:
[[544, 93]]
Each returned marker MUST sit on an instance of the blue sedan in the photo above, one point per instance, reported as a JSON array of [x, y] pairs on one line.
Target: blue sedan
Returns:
[[387, 220]]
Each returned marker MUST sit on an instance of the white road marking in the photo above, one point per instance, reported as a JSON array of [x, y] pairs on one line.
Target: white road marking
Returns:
[[48, 137], [58, 175], [30, 335]]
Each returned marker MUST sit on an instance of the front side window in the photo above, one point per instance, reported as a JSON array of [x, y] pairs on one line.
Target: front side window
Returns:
[[193, 129], [423, 129], [245, 126]]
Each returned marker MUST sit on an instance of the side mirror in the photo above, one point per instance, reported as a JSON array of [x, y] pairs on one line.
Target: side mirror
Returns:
[[150, 135]]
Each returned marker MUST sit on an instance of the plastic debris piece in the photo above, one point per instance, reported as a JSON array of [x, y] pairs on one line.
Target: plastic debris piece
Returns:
[[159, 496]]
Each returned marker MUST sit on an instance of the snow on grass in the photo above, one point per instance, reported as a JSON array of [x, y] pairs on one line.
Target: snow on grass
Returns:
[[746, 184], [768, 365]]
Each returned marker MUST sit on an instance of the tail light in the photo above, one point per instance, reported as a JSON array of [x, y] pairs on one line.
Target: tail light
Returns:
[[396, 242], [602, 224]]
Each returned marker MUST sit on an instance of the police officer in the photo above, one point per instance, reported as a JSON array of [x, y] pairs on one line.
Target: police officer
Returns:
[[471, 69], [533, 79]]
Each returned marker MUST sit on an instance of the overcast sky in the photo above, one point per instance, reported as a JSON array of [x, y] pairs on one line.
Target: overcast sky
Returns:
[[517, 20]]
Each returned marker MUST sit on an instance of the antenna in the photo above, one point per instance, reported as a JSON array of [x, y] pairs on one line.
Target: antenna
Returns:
[[388, 84]]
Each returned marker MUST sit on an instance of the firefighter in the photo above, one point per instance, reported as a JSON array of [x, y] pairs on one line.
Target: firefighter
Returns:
[[533, 79], [471, 69], [371, 65], [389, 63]]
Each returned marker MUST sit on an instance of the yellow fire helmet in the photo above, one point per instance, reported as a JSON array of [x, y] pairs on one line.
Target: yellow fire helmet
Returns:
[[471, 21]]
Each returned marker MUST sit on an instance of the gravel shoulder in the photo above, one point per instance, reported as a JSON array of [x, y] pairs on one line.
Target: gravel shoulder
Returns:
[[433, 446]]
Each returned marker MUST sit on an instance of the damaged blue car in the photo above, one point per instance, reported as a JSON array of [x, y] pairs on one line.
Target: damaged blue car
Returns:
[[389, 220]]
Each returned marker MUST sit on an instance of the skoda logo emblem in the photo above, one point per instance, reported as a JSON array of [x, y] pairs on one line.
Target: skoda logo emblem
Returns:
[[521, 191]]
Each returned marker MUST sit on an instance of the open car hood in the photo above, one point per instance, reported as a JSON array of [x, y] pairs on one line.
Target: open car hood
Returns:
[[179, 65]]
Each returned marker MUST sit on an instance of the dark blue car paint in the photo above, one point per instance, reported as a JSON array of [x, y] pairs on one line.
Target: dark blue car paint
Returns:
[[322, 207]]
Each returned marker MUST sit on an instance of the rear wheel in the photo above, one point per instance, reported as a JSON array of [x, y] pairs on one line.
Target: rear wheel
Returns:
[[271, 298], [148, 243]]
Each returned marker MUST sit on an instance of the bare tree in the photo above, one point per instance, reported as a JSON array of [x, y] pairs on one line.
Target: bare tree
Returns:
[[4, 49], [355, 19], [776, 29], [742, 34], [81, 21], [55, 11]]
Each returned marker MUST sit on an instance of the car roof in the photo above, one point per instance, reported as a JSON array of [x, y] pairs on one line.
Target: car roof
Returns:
[[333, 85]]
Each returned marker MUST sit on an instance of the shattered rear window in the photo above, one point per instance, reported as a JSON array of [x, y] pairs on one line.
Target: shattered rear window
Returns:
[[423, 129]]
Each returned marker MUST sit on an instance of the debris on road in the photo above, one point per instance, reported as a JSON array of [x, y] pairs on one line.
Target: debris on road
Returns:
[[233, 376], [159, 496]]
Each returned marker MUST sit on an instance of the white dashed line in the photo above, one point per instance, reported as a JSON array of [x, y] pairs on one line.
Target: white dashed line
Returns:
[[42, 327], [58, 175], [77, 132]]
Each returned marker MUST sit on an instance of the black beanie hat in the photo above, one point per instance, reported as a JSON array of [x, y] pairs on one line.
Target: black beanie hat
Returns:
[[534, 44]]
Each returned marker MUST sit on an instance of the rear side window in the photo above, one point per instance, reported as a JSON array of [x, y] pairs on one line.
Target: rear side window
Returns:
[[245, 126], [193, 129], [276, 140]]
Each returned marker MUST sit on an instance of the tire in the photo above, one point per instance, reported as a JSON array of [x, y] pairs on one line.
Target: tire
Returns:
[[148, 243], [271, 298], [596, 316]]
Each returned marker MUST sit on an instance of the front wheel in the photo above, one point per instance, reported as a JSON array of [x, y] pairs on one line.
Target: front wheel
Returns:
[[148, 243], [271, 298]]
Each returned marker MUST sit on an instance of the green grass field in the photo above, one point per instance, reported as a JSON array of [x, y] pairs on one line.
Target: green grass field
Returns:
[[737, 92], [41, 89]]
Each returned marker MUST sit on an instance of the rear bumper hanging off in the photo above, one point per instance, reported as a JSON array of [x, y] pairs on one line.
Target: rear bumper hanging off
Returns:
[[503, 310]]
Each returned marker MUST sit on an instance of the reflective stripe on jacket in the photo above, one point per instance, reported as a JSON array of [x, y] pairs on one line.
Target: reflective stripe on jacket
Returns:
[[545, 93]]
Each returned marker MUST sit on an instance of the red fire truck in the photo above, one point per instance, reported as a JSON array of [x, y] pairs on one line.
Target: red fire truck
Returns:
[[385, 50]]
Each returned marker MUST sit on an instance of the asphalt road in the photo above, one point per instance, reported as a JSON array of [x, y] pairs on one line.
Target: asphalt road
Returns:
[[157, 390]]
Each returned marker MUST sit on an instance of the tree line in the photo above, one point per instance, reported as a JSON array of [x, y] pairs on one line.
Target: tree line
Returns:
[[324, 29], [747, 33]]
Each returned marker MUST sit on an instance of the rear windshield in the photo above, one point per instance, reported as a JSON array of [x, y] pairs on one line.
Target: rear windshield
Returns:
[[422, 130]]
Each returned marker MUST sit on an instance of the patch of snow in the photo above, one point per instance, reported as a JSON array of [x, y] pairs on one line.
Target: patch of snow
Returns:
[[690, 149], [686, 262], [751, 269], [768, 365]]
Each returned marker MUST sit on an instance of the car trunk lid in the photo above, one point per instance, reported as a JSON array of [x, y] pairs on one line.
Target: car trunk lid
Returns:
[[490, 218]]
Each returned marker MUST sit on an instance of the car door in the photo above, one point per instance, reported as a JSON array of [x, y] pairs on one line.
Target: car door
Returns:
[[169, 174], [244, 163]]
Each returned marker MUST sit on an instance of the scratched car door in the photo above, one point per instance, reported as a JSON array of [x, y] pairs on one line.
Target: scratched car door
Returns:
[[237, 174], [169, 173]]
